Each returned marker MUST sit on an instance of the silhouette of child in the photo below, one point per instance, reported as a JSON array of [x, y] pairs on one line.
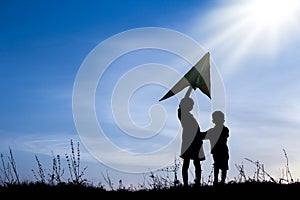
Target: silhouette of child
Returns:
[[218, 136], [191, 146]]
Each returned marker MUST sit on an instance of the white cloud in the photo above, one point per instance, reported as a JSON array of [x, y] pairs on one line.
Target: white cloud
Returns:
[[44, 144]]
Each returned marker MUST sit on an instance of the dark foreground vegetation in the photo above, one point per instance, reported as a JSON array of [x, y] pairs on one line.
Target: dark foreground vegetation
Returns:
[[53, 183], [248, 190]]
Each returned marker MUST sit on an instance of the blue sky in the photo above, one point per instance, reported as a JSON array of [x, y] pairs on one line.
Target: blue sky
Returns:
[[253, 47]]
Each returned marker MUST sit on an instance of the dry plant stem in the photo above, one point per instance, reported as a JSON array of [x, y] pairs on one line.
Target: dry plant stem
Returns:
[[288, 172]]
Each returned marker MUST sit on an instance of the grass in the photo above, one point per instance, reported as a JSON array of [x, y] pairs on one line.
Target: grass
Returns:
[[53, 182]]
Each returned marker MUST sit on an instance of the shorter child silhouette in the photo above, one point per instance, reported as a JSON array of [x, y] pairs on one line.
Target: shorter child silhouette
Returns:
[[218, 136]]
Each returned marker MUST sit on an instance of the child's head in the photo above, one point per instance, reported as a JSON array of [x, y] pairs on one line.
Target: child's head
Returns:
[[218, 117], [186, 104]]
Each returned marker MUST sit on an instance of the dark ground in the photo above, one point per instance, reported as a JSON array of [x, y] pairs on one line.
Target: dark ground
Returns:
[[247, 190]]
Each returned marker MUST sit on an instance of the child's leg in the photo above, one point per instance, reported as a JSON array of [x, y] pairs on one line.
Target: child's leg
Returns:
[[197, 171], [224, 169], [185, 167], [224, 174], [216, 175]]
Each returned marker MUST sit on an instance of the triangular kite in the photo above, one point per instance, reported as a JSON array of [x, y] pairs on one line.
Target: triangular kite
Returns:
[[197, 77]]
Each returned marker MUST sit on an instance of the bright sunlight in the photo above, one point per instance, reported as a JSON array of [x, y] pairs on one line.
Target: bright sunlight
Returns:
[[261, 27], [271, 13]]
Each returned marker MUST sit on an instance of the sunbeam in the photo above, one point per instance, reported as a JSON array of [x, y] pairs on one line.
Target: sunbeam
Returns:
[[243, 28]]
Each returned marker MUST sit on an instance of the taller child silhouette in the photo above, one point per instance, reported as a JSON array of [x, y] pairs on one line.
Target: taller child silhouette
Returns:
[[191, 146]]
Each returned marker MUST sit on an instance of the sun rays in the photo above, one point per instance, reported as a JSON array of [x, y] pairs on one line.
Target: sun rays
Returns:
[[255, 27]]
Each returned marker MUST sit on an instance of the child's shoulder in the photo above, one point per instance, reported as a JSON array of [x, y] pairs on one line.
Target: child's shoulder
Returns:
[[225, 130]]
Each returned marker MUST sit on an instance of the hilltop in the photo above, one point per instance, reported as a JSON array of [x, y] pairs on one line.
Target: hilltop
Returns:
[[249, 190]]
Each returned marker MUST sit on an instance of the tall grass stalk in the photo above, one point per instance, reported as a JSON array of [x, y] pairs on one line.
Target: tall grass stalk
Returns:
[[56, 174], [40, 175], [9, 174], [73, 161]]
